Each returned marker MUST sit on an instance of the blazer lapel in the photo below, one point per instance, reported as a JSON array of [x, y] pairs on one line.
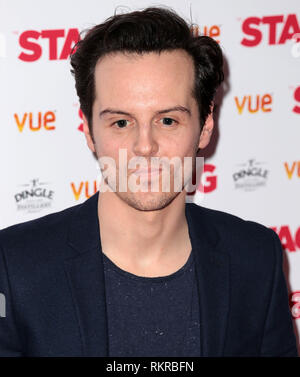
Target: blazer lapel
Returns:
[[212, 269], [86, 279]]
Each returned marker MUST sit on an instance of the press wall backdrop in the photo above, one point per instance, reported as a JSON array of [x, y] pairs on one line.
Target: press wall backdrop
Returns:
[[252, 167]]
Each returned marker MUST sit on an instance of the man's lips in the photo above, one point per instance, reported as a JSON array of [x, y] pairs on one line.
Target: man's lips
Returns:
[[148, 172]]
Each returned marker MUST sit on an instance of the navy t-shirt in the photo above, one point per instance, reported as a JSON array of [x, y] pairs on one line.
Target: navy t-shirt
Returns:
[[152, 316]]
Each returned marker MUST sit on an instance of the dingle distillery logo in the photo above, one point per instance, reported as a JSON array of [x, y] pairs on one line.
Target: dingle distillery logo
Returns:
[[34, 196], [250, 176]]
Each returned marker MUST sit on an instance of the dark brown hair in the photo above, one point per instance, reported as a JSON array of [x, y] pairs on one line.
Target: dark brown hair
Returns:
[[153, 29]]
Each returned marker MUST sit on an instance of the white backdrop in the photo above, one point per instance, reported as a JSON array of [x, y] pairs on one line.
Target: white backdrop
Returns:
[[253, 163]]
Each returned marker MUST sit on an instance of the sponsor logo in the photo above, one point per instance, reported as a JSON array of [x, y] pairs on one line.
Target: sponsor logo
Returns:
[[289, 241], [84, 189], [35, 122], [273, 30], [296, 108], [212, 31], [293, 169], [80, 127], [33, 47], [253, 104], [34, 197], [250, 176], [208, 182], [294, 299]]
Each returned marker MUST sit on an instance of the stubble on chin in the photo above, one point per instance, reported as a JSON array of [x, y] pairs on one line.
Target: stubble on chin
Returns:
[[146, 201]]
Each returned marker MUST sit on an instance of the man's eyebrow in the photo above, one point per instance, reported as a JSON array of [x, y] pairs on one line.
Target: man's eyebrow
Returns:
[[174, 108], [113, 111]]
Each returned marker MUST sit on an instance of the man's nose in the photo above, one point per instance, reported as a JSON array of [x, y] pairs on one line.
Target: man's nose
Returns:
[[145, 143]]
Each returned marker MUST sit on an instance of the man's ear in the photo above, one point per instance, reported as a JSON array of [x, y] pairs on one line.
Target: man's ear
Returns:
[[207, 129], [88, 136]]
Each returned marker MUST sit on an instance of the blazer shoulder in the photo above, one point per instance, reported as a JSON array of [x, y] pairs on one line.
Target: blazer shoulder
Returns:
[[234, 229], [252, 247], [49, 229]]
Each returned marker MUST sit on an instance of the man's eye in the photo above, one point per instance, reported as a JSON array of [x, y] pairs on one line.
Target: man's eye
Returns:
[[168, 121], [121, 123]]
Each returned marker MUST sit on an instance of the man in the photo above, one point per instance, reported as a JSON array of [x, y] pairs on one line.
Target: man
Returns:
[[142, 272]]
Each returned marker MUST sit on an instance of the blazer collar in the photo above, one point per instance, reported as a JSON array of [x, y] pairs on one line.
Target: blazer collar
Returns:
[[86, 278], [83, 232], [212, 270]]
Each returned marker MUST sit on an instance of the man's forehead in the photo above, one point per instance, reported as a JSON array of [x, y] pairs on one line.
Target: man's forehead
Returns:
[[146, 76], [143, 87], [118, 60]]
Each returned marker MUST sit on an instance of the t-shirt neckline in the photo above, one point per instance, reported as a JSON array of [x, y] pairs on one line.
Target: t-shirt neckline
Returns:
[[146, 279]]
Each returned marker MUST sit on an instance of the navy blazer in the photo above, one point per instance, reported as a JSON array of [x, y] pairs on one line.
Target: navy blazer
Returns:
[[51, 273]]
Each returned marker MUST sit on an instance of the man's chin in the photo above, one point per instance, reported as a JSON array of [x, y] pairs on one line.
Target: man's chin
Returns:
[[147, 201]]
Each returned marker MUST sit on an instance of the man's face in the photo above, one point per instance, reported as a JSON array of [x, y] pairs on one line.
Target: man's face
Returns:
[[134, 95]]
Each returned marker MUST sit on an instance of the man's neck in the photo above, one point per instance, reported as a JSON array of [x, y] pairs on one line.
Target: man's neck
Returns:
[[147, 243]]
